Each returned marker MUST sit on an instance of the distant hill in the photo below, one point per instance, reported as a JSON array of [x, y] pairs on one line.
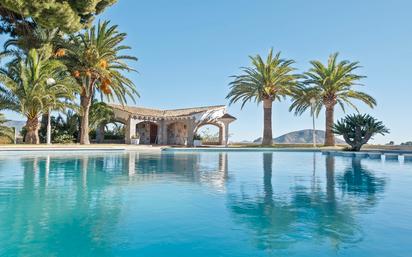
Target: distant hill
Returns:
[[19, 124], [300, 137]]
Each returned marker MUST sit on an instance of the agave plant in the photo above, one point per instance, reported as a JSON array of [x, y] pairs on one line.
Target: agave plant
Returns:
[[95, 60], [357, 129], [330, 85], [266, 81]]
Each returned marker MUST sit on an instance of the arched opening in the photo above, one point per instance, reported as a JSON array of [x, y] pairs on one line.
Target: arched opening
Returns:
[[147, 131], [209, 134], [177, 133], [112, 132]]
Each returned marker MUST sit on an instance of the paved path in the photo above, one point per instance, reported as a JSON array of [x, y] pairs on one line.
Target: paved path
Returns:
[[75, 147]]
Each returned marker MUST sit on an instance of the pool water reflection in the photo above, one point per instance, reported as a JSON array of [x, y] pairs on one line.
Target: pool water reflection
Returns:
[[203, 204]]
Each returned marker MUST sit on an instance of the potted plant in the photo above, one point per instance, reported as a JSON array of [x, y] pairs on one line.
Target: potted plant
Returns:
[[135, 140], [197, 140]]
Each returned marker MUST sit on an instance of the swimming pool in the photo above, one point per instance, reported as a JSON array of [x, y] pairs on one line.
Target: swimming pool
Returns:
[[203, 204]]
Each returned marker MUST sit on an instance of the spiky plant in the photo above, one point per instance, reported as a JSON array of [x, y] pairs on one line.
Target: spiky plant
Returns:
[[95, 60], [358, 129], [265, 81], [329, 85]]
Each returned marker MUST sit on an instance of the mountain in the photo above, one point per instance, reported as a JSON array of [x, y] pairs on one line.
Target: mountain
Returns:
[[18, 124], [300, 137]]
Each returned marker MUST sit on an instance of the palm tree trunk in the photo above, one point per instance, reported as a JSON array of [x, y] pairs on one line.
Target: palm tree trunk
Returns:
[[32, 131], [267, 122], [329, 136], [85, 103]]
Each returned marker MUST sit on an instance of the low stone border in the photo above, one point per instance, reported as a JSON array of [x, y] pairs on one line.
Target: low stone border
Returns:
[[239, 149]]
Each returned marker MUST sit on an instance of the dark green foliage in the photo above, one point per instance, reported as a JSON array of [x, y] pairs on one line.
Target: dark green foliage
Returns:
[[20, 16], [37, 38], [114, 132], [197, 137], [64, 139], [6, 133], [357, 129], [64, 129], [100, 113]]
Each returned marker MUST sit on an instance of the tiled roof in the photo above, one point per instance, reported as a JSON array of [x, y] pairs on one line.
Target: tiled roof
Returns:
[[227, 116], [165, 113]]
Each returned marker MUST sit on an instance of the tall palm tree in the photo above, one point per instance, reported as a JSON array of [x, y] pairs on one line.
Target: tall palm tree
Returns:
[[329, 85], [95, 60], [26, 84], [265, 81]]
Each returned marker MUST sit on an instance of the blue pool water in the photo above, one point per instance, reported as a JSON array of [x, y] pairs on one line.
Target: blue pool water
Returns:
[[203, 204]]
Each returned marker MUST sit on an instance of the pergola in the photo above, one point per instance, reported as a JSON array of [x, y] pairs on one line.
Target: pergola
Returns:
[[171, 127]]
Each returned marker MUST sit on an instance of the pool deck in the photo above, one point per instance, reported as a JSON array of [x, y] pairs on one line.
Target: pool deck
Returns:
[[82, 148]]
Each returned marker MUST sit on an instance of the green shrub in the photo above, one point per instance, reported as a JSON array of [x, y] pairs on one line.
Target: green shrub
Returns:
[[64, 139]]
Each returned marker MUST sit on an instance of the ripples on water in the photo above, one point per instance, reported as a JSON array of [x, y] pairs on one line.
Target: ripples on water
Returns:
[[203, 204]]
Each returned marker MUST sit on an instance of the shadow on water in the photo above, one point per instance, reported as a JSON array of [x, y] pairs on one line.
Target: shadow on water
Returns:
[[311, 214], [359, 182]]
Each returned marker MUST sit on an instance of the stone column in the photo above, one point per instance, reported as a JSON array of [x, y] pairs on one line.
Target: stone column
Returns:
[[226, 134], [164, 132], [190, 131], [130, 130], [224, 137], [221, 136], [160, 138], [226, 120]]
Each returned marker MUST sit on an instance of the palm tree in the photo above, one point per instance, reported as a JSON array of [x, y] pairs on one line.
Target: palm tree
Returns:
[[264, 82], [94, 59], [329, 85], [26, 83], [5, 131]]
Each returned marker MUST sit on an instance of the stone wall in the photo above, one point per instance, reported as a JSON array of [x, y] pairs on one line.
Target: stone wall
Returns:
[[143, 128], [176, 133]]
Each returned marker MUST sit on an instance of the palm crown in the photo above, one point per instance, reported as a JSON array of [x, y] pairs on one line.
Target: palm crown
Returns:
[[95, 61], [271, 80], [330, 85], [26, 87]]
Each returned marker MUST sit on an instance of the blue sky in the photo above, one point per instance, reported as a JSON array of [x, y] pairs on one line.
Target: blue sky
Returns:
[[188, 49]]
